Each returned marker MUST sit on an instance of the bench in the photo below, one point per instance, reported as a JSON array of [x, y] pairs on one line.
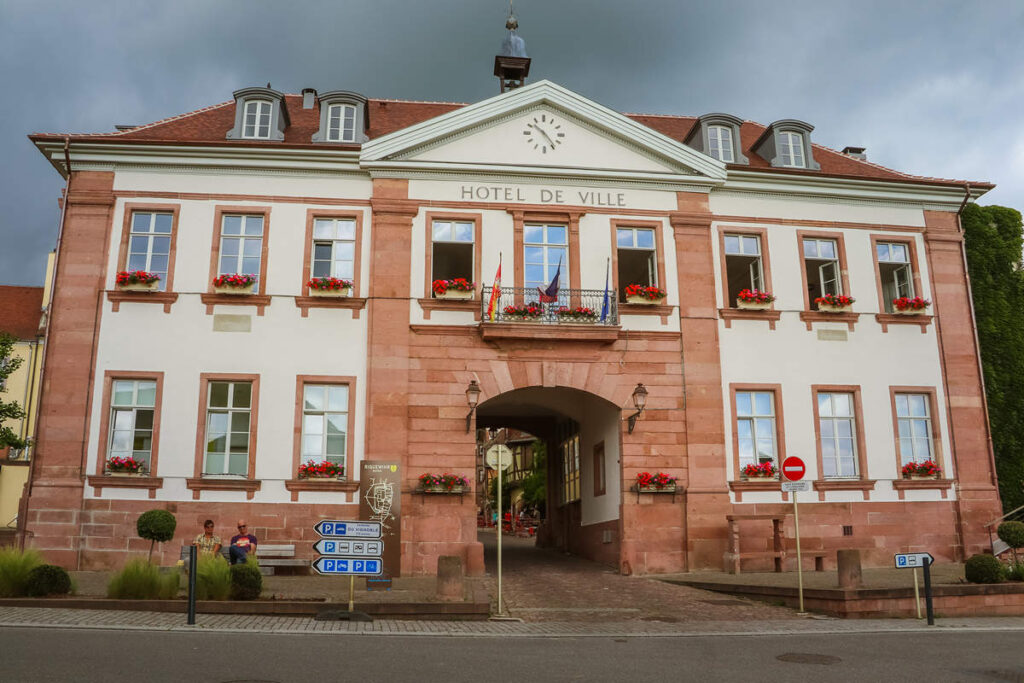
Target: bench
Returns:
[[732, 556], [269, 557]]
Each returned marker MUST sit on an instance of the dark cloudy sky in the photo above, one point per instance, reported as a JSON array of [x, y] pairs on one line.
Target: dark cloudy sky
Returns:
[[929, 87]]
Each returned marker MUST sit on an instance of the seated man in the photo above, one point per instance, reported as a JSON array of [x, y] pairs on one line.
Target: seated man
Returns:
[[207, 542], [242, 544]]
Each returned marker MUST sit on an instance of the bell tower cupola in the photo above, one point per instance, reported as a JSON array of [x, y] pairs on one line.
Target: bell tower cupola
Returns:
[[512, 66]]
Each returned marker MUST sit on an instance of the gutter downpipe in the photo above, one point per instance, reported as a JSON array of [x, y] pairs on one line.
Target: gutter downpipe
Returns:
[[977, 343], [22, 532]]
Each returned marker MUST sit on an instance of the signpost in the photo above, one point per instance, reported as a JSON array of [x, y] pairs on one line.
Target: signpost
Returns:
[[349, 548], [913, 561], [793, 470], [499, 457]]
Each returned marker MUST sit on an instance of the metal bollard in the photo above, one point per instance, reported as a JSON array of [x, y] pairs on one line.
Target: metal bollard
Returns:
[[193, 562]]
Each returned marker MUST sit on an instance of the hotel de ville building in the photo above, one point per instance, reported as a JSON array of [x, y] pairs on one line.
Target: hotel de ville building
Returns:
[[698, 296]]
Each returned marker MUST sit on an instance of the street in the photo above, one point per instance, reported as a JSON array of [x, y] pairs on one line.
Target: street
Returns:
[[31, 654]]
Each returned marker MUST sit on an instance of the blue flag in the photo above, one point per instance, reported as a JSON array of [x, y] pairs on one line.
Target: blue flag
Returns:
[[604, 303]]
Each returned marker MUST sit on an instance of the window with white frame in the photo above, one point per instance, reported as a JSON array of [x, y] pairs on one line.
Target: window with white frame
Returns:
[[228, 411], [837, 427], [895, 271], [636, 258], [821, 263], [334, 248], [914, 422], [755, 428], [743, 266], [256, 121], [544, 247], [149, 244], [452, 250], [720, 143], [791, 149], [325, 423], [241, 245], [341, 123], [132, 410]]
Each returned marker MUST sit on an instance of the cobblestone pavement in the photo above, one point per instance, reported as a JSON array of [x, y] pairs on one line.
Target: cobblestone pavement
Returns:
[[232, 623], [540, 585]]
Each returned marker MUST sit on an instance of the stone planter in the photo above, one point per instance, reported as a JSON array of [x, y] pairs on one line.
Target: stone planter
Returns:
[[644, 301], [668, 488], [456, 294], [445, 489], [568, 320], [753, 305], [923, 476], [825, 308], [331, 293], [125, 474], [520, 318], [236, 290], [761, 477], [140, 286], [912, 311], [319, 477]]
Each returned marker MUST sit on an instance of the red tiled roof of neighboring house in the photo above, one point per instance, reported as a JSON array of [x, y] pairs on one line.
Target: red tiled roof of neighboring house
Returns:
[[21, 309], [210, 125]]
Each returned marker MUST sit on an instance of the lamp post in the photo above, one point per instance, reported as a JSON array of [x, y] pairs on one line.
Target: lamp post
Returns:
[[472, 398], [639, 402]]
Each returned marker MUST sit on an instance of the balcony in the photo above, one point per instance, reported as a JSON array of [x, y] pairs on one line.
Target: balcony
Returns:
[[576, 316]]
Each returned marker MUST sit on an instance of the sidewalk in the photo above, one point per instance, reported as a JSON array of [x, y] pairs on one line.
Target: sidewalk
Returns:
[[230, 623]]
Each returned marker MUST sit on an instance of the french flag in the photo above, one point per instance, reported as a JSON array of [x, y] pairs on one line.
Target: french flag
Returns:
[[550, 295]]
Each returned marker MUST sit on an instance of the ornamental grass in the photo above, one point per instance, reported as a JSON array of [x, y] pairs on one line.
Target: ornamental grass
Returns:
[[140, 580], [213, 578], [15, 567]]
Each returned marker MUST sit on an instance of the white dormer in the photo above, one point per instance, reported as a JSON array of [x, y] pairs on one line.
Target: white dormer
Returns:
[[343, 118], [260, 114]]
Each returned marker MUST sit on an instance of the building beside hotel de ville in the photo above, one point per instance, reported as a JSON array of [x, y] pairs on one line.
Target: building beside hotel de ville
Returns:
[[621, 330]]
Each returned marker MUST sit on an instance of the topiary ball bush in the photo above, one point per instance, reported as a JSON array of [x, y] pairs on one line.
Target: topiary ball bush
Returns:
[[48, 579], [984, 569], [156, 525], [246, 582], [1012, 534]]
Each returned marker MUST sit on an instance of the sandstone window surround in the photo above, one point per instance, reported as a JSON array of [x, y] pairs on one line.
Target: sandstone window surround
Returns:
[[226, 430], [718, 136], [240, 241], [758, 434], [260, 114], [343, 118], [787, 144], [823, 270], [897, 273], [839, 440], [453, 248], [744, 263], [149, 236], [131, 409], [342, 389], [917, 436], [340, 230]]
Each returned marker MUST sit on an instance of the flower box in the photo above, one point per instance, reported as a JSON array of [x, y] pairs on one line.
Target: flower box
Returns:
[[659, 482], [761, 472], [443, 483], [907, 306], [137, 281], [320, 470], [644, 294], [835, 303], [329, 287], [443, 489], [125, 474], [921, 470], [753, 305], [667, 488], [458, 288], [522, 313], [761, 477], [580, 315], [125, 467], [455, 294], [835, 309], [234, 284]]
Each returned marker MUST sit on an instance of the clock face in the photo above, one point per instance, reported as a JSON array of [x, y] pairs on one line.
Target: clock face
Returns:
[[543, 133]]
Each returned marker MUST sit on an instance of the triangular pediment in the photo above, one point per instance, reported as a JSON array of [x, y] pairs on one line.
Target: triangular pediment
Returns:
[[541, 129]]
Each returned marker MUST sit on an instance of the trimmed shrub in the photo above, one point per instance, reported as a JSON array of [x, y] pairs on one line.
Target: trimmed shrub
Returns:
[[139, 580], [48, 579], [246, 582], [156, 526], [213, 579], [15, 566], [984, 569]]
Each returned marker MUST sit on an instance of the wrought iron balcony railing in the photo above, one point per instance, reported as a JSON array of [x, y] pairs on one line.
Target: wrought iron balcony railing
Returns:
[[574, 307]]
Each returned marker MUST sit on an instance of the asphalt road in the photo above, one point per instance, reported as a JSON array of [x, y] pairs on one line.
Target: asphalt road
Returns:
[[28, 654]]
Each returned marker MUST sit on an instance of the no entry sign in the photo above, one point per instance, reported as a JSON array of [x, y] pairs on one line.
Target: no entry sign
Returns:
[[793, 468]]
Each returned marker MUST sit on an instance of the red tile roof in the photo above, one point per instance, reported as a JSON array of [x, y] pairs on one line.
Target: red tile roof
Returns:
[[210, 125], [21, 309]]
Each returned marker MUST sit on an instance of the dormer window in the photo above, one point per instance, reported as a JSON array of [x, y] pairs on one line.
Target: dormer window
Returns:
[[791, 148], [718, 136], [787, 144], [343, 118], [341, 123], [720, 143], [260, 114], [257, 120]]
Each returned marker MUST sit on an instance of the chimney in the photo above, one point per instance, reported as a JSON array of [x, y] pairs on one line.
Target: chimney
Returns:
[[855, 153], [308, 97]]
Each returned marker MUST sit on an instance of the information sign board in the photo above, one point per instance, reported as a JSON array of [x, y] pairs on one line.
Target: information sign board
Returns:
[[334, 528], [336, 546], [336, 566]]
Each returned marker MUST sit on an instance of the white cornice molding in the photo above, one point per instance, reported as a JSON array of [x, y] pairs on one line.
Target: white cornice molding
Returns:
[[863, 189], [224, 157], [541, 93], [526, 179]]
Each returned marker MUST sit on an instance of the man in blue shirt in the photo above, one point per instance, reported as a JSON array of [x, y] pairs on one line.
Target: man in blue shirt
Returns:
[[242, 544]]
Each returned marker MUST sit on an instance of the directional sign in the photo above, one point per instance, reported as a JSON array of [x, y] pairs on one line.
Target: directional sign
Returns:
[[793, 468], [333, 527], [331, 546], [348, 565], [913, 560], [794, 486]]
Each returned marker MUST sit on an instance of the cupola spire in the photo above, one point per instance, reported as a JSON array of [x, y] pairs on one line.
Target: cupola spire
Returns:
[[511, 65]]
